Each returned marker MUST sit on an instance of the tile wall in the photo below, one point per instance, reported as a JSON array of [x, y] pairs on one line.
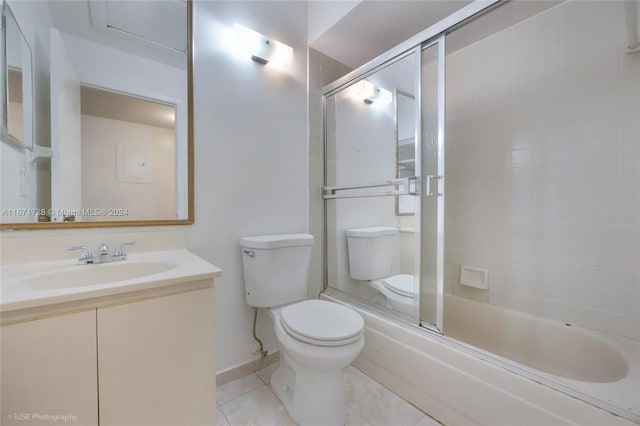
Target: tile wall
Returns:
[[542, 167]]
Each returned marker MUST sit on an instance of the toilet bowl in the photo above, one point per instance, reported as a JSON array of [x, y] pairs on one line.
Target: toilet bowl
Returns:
[[398, 291], [316, 339], [313, 354]]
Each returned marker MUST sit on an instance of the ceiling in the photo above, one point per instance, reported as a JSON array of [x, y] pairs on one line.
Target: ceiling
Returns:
[[351, 31], [373, 27]]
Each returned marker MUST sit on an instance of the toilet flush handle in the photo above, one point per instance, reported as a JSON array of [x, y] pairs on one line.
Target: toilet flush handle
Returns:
[[250, 253]]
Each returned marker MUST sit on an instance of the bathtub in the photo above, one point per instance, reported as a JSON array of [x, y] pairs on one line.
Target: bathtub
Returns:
[[600, 364], [498, 366]]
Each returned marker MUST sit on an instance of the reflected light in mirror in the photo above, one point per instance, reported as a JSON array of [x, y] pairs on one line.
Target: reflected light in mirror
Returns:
[[370, 93], [380, 97]]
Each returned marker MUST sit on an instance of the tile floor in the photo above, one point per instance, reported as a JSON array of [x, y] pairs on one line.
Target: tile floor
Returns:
[[250, 401]]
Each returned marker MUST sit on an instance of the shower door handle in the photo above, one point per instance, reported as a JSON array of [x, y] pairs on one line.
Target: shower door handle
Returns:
[[428, 190]]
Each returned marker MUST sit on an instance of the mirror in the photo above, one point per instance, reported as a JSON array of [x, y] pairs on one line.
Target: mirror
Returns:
[[112, 130], [405, 148], [16, 83]]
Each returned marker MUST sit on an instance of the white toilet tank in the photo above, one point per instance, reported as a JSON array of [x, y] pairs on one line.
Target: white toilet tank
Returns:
[[371, 252], [276, 268]]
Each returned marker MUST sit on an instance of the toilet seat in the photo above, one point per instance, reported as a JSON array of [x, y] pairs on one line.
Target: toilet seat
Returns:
[[401, 284], [322, 323]]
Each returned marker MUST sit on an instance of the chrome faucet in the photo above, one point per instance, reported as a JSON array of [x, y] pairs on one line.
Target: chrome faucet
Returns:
[[103, 251], [87, 257], [119, 253]]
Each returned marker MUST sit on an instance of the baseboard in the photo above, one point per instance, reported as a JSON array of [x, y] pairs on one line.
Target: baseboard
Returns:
[[242, 370]]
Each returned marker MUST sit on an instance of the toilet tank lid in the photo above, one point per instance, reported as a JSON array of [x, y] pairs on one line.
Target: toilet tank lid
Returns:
[[276, 241], [373, 231]]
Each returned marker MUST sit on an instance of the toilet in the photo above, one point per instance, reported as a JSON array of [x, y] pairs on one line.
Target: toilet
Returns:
[[371, 254], [316, 339]]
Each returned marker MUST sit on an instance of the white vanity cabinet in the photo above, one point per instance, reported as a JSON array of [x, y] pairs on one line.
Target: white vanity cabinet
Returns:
[[156, 361], [143, 359], [134, 345], [49, 371]]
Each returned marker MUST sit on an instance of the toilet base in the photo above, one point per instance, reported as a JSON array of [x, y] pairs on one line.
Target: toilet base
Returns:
[[309, 380], [307, 394]]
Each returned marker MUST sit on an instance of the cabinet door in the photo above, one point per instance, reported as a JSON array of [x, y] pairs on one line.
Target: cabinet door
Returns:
[[49, 370], [157, 361]]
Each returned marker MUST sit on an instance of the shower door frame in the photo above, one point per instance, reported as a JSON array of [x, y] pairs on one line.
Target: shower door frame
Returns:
[[427, 179], [431, 36]]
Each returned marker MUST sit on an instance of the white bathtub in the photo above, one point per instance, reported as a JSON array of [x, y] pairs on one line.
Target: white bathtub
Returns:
[[459, 384], [603, 365]]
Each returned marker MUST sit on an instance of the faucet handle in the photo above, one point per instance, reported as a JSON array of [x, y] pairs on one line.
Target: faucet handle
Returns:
[[120, 248], [87, 256], [103, 249]]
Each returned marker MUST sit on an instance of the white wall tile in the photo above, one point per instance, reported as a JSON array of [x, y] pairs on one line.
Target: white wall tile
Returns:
[[560, 202]]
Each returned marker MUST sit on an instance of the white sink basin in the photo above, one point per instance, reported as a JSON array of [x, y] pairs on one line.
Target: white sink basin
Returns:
[[87, 275], [57, 285]]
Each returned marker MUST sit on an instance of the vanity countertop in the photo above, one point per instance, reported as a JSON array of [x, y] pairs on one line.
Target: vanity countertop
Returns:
[[45, 288]]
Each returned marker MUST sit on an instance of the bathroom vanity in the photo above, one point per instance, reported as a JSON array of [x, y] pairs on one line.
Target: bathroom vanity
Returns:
[[135, 350]]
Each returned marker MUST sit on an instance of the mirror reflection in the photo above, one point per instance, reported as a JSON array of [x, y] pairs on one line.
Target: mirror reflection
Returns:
[[110, 91], [16, 82], [370, 131], [128, 152], [15, 125], [406, 145]]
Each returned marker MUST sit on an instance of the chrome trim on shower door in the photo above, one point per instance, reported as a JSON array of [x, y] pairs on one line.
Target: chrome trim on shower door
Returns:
[[441, 190], [431, 243], [418, 171]]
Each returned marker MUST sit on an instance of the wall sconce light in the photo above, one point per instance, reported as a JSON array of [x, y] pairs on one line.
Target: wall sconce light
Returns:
[[370, 93], [261, 48]]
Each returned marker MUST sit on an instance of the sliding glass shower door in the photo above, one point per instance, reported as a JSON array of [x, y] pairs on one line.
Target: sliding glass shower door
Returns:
[[383, 186]]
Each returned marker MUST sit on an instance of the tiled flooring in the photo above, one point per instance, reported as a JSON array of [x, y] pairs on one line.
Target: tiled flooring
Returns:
[[250, 401]]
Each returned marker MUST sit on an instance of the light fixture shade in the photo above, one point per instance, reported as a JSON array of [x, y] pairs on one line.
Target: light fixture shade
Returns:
[[261, 48]]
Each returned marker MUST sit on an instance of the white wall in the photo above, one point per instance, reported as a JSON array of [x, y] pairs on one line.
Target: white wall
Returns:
[[250, 154], [13, 175], [543, 156], [101, 188]]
